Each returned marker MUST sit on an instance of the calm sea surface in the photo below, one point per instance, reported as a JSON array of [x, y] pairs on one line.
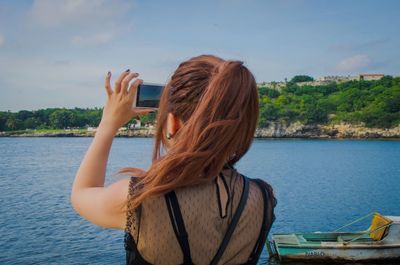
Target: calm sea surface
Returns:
[[320, 185]]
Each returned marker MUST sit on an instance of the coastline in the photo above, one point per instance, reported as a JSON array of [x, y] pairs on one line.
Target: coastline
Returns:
[[273, 130], [331, 131]]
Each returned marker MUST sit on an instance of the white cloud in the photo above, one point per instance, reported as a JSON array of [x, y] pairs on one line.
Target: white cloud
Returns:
[[81, 22], [56, 13], [98, 38], [354, 63], [43, 74], [1, 40], [39, 83]]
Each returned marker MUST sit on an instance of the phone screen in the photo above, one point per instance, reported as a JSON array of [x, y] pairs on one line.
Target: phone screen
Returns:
[[148, 95]]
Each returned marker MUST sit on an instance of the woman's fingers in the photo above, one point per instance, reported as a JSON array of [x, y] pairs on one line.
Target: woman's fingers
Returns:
[[133, 88], [125, 82], [108, 84], [119, 81], [122, 84]]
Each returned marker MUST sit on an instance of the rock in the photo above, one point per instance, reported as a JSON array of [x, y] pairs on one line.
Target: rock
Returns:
[[273, 130], [299, 130], [137, 133]]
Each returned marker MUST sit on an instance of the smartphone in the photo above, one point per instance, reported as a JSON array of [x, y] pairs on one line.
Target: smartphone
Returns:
[[148, 95]]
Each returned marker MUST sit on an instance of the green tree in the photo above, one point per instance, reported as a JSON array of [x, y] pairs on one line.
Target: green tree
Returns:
[[3, 119], [290, 87], [61, 119], [386, 81], [270, 112], [301, 78], [147, 118], [14, 124], [30, 123], [23, 114], [269, 92]]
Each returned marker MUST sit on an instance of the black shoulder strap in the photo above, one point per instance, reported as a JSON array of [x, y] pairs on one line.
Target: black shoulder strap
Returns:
[[255, 254], [179, 226], [175, 216], [234, 222]]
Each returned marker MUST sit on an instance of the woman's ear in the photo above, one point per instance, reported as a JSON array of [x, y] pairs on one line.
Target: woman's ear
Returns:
[[173, 123]]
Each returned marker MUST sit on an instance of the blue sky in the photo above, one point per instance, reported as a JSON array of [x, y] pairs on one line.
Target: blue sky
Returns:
[[55, 53]]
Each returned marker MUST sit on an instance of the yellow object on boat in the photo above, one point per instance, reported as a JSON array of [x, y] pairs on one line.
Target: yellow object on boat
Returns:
[[378, 221]]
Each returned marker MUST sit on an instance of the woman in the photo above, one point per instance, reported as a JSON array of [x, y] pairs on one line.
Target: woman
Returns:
[[191, 206]]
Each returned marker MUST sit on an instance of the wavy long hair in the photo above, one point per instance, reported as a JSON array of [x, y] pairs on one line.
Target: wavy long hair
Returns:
[[217, 101]]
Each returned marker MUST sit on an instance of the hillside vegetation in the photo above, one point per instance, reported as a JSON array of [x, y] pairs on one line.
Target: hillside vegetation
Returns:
[[372, 103]]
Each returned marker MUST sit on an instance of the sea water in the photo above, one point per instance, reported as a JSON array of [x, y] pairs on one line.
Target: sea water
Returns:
[[319, 184]]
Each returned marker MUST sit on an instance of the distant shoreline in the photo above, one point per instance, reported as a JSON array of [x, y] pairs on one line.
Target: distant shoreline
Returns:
[[274, 130]]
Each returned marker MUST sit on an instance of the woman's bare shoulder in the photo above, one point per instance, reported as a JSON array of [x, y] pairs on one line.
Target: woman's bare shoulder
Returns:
[[119, 192]]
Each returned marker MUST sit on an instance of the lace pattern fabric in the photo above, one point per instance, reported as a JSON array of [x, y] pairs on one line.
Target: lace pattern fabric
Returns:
[[201, 213], [133, 214]]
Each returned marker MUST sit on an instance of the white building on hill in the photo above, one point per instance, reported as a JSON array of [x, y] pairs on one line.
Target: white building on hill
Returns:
[[371, 77]]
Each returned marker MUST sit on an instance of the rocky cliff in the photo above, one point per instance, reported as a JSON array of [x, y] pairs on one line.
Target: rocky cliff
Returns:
[[273, 130], [340, 131], [127, 133]]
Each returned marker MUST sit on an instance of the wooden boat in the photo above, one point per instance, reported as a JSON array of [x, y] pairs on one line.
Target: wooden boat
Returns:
[[381, 241]]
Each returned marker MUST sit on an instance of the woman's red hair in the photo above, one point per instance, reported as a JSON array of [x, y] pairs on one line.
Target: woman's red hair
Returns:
[[217, 101]]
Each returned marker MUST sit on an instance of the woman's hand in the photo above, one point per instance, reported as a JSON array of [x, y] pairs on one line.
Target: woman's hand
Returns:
[[120, 101]]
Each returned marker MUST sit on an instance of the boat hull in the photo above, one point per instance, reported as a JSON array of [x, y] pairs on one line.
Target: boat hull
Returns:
[[339, 253]]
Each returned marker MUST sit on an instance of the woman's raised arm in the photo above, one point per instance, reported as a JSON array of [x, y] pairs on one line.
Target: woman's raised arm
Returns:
[[96, 203]]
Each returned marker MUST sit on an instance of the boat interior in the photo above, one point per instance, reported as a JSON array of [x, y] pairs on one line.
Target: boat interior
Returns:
[[377, 231]]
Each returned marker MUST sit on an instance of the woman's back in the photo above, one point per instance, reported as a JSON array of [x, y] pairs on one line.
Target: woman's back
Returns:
[[207, 211], [207, 116]]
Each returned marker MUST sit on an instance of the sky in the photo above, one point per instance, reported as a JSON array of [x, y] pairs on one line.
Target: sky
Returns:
[[55, 53]]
